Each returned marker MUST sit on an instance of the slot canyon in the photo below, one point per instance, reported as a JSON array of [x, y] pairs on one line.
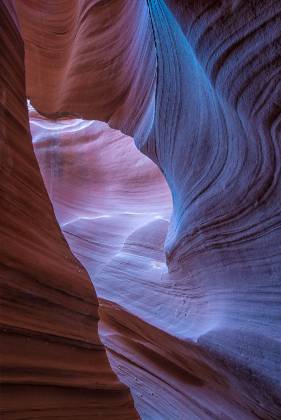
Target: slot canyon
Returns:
[[140, 175]]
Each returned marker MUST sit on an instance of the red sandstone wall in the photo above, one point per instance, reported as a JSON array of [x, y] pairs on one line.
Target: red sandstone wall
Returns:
[[53, 364]]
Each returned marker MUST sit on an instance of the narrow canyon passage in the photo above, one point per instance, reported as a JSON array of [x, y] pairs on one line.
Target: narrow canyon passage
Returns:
[[140, 255], [113, 206], [105, 192]]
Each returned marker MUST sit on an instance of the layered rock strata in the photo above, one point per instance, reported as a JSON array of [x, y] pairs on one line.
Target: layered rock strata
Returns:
[[53, 364], [197, 85]]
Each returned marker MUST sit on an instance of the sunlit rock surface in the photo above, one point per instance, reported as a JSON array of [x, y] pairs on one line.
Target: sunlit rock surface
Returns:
[[53, 364], [109, 198], [192, 325]]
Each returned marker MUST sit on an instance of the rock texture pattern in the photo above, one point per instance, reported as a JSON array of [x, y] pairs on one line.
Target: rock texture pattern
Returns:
[[117, 86], [190, 309], [53, 364]]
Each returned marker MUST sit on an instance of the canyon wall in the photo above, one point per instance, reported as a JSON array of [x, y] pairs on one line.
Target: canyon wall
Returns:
[[192, 325], [53, 364]]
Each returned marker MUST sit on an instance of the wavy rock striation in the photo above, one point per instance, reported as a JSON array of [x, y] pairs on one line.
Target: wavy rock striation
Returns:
[[194, 331], [117, 86], [144, 316], [53, 364]]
